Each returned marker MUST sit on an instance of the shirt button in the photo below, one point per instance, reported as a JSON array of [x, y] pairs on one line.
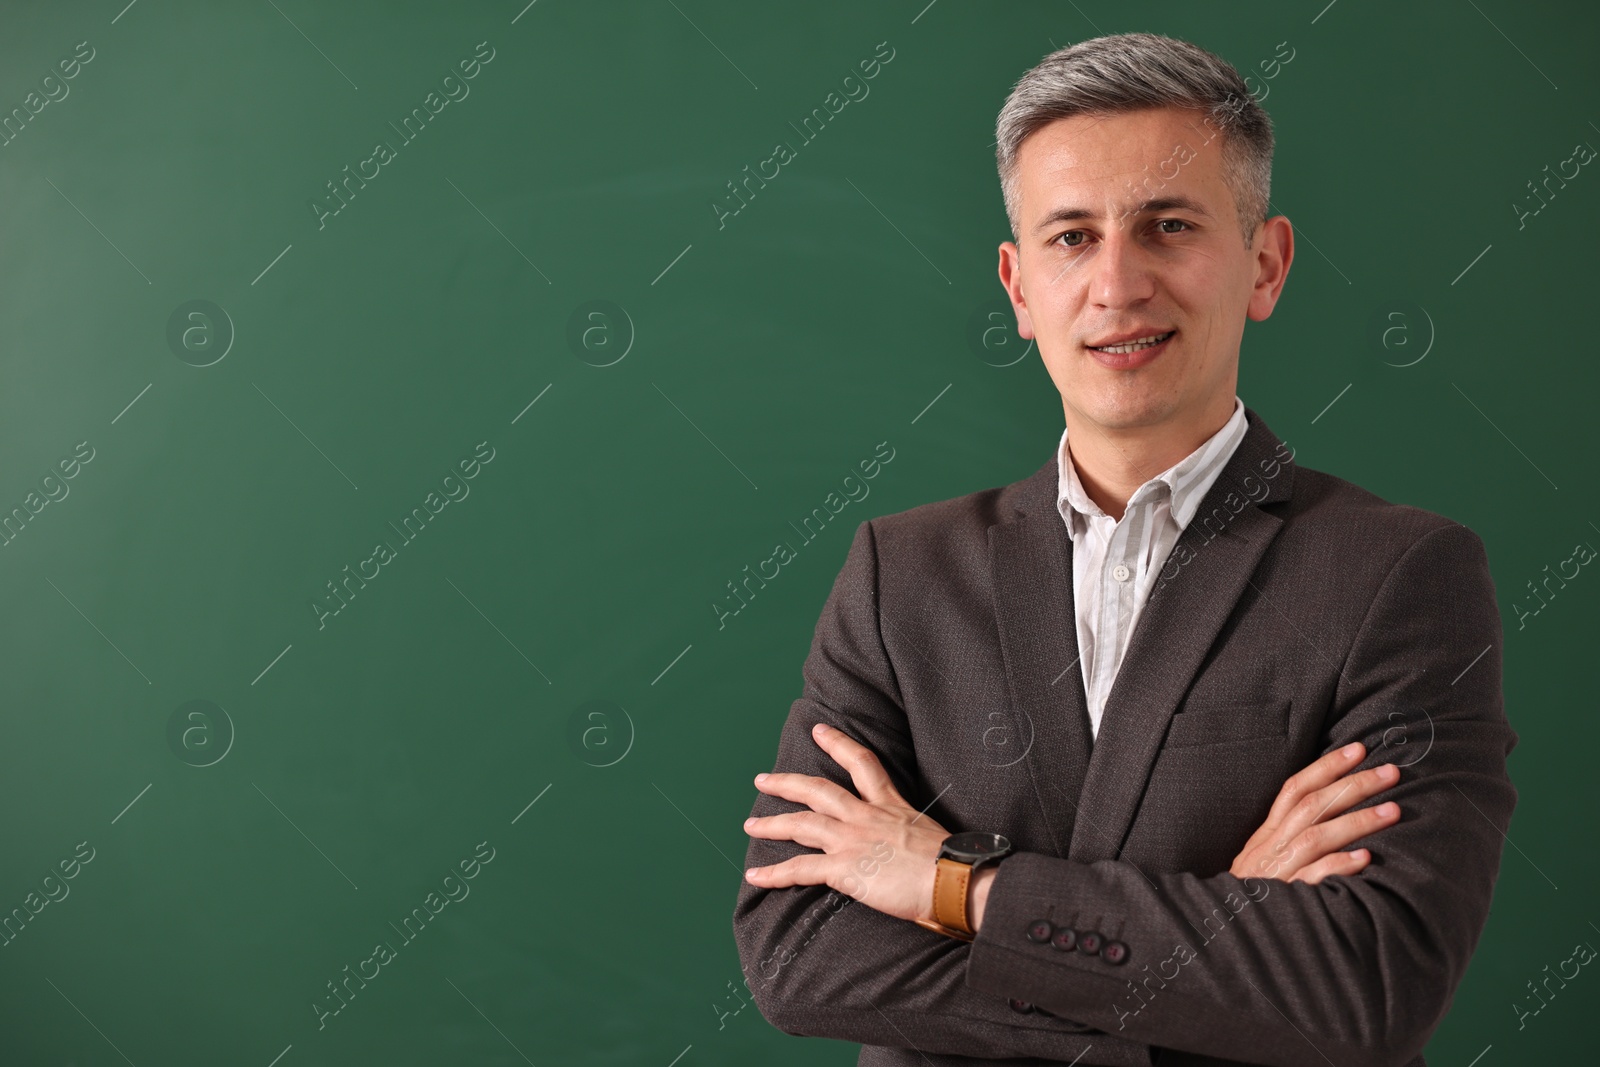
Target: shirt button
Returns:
[[1120, 572]]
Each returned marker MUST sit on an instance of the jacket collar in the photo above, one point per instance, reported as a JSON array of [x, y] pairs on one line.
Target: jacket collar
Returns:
[[1089, 789]]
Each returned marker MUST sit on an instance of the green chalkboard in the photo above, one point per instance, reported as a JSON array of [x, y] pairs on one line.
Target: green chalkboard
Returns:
[[391, 393]]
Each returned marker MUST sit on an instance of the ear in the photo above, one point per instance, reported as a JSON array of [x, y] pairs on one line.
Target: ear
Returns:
[[1011, 278], [1273, 249]]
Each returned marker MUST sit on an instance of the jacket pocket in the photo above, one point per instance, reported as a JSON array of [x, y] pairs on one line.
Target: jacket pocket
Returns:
[[1228, 721]]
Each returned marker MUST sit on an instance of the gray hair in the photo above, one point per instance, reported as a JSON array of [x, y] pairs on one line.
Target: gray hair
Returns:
[[1133, 72]]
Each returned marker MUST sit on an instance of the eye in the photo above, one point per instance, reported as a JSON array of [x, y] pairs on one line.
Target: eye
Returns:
[[1070, 233], [1175, 222]]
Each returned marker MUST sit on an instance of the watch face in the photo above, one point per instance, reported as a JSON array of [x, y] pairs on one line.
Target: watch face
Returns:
[[971, 846]]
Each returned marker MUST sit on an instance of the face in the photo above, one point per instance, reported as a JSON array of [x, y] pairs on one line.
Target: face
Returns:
[[1127, 231]]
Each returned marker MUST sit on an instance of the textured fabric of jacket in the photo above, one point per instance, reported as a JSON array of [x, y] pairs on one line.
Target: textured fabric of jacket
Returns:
[[1297, 613]]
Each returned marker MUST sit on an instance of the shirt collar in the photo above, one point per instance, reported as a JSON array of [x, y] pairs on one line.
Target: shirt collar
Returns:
[[1184, 484]]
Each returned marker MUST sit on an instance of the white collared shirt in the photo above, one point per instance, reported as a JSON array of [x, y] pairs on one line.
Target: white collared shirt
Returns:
[[1115, 562]]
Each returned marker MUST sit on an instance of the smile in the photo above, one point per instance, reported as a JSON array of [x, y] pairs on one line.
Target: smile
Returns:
[[1134, 346]]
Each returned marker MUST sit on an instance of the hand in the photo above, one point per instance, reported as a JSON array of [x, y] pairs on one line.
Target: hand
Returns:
[[876, 848], [1300, 841]]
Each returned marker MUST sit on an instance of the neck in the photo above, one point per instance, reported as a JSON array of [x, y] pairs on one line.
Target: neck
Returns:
[[1112, 462]]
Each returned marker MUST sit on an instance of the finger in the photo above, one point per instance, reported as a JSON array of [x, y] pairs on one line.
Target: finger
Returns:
[[1335, 834], [1324, 839], [1316, 775], [808, 828], [809, 869], [1322, 804], [866, 771], [1345, 863], [1319, 773], [819, 794]]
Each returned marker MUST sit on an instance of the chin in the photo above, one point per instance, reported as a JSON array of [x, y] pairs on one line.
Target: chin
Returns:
[[1124, 410]]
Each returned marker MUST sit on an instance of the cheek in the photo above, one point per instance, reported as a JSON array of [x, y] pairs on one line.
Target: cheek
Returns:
[[1213, 282], [1053, 291], [1205, 293], [1059, 272], [1192, 288], [1046, 318]]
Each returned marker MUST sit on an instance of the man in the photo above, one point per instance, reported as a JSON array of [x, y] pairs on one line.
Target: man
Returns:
[[1173, 671]]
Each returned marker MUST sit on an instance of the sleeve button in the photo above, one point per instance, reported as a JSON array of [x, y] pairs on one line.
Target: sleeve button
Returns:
[[1065, 939], [1090, 941], [1039, 931], [1115, 952], [1020, 1006]]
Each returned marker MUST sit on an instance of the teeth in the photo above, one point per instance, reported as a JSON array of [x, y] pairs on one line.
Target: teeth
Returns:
[[1134, 346]]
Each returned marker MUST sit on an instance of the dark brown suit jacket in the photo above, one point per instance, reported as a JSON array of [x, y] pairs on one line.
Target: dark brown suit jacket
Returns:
[[1297, 613]]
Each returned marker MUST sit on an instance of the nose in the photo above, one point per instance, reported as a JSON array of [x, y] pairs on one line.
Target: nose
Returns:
[[1122, 273]]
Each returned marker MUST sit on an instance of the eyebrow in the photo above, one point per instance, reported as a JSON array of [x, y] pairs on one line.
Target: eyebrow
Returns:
[[1160, 203]]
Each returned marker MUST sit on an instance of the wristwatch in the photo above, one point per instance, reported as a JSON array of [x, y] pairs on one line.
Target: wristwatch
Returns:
[[959, 856]]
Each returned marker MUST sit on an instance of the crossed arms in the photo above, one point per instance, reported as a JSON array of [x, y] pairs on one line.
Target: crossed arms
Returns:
[[1355, 969]]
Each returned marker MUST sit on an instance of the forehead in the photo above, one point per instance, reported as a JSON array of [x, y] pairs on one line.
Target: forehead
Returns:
[[1101, 162]]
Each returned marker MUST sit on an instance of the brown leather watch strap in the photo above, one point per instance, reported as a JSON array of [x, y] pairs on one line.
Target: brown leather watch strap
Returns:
[[950, 880]]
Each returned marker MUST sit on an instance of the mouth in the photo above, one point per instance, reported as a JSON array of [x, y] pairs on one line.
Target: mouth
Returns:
[[1136, 344]]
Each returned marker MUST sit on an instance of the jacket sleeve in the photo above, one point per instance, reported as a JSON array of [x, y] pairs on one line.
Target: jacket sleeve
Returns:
[[1358, 970], [820, 964]]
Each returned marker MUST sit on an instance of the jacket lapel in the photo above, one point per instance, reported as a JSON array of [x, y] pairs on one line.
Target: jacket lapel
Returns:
[[1089, 789], [1031, 557]]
